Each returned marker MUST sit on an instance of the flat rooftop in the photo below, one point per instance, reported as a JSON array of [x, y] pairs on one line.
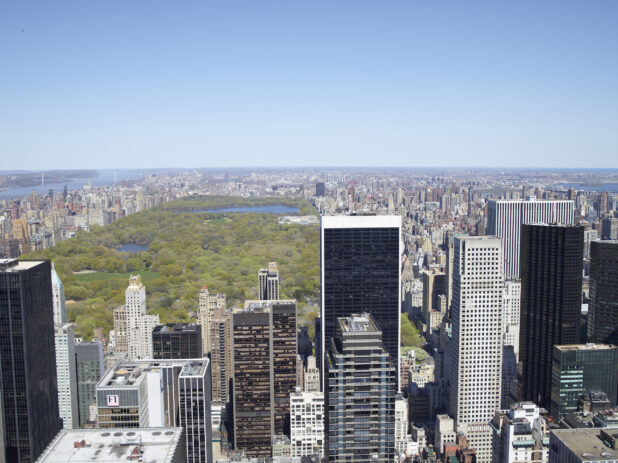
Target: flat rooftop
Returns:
[[194, 368], [157, 445], [14, 265], [175, 327], [589, 346], [586, 443], [362, 323]]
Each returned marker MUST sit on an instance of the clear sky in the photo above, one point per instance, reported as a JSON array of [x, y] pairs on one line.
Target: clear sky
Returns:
[[120, 83]]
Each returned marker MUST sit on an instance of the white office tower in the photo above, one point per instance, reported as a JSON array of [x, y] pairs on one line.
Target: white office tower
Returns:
[[312, 375], [510, 338], [207, 305], [60, 308], [401, 425], [194, 410], [520, 435], [307, 423], [139, 324], [66, 373], [476, 346], [505, 218]]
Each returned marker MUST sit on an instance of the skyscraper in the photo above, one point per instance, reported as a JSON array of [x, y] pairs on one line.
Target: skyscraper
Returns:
[[360, 272], [221, 354], [194, 410], [208, 303], [177, 341], [307, 419], [603, 309], [29, 393], [139, 324], [476, 345], [551, 286], [60, 308], [265, 353], [66, 374], [89, 364], [360, 394], [582, 369], [268, 282], [505, 218], [120, 329]]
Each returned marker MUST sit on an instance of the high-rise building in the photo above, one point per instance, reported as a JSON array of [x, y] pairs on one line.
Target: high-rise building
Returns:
[[208, 303], [360, 396], [307, 423], [476, 345], [312, 375], [221, 354], [510, 337], [505, 218], [401, 424], [609, 228], [120, 329], [603, 308], [580, 369], [551, 287], [60, 308], [360, 272], [268, 282], [520, 434], [320, 189], [28, 391], [139, 324], [66, 374], [90, 367], [194, 410], [264, 338], [177, 341]]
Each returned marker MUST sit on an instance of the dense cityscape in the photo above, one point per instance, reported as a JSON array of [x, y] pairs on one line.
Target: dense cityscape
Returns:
[[463, 315]]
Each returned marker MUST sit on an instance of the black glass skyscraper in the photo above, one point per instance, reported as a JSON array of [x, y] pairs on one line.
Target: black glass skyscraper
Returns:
[[177, 341], [603, 310], [29, 392], [551, 288], [360, 265]]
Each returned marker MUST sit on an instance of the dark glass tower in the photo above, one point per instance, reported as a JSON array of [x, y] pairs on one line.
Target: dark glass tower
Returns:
[[89, 364], [360, 264], [603, 310], [29, 392], [551, 288], [360, 397], [177, 341]]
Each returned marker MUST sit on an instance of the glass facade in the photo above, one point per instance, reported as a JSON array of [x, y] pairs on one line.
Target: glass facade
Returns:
[[27, 360], [582, 369], [551, 287], [603, 311], [177, 341], [360, 273]]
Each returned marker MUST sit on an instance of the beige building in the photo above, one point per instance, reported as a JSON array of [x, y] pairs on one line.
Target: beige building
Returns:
[[208, 303], [221, 353]]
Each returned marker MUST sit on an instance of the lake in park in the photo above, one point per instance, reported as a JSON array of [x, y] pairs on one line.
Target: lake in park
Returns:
[[274, 209], [132, 248]]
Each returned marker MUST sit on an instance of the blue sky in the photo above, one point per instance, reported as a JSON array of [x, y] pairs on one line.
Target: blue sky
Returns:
[[97, 84]]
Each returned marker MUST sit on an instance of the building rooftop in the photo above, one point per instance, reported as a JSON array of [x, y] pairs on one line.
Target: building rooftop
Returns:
[[589, 346], [14, 265], [586, 444], [358, 323], [175, 327], [194, 368], [154, 445]]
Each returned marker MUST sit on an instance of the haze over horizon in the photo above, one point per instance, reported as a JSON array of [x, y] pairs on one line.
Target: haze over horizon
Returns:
[[270, 84]]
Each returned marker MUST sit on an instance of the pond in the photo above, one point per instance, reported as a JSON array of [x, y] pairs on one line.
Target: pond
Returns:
[[274, 209], [132, 248]]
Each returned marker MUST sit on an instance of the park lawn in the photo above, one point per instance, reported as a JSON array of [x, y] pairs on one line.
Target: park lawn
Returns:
[[147, 276]]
